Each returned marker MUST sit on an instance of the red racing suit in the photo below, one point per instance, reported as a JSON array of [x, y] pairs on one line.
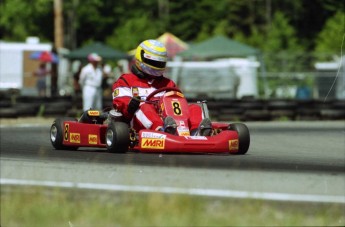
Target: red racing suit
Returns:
[[131, 85]]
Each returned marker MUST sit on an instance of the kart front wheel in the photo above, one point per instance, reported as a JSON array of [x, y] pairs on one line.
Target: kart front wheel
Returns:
[[243, 136], [117, 137], [57, 134]]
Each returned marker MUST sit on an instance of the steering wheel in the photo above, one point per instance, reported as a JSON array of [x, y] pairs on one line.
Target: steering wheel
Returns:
[[160, 90]]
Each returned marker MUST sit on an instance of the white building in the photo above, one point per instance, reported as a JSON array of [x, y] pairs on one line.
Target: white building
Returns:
[[16, 67]]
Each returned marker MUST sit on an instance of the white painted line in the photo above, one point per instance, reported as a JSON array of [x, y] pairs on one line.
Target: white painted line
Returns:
[[187, 191]]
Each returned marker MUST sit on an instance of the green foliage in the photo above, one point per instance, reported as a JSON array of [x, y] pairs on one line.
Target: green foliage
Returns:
[[257, 37], [133, 31], [331, 38], [203, 34], [221, 28], [19, 19], [279, 27], [280, 41], [280, 35], [182, 22]]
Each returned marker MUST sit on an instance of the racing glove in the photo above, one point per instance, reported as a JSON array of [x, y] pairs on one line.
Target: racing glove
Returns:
[[133, 105]]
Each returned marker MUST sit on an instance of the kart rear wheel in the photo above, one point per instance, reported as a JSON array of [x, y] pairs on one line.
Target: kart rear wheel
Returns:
[[243, 136], [57, 133], [117, 137]]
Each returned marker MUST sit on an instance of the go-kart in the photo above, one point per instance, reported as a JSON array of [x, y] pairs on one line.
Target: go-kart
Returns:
[[107, 129]]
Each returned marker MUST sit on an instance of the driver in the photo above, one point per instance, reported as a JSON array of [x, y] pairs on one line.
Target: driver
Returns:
[[147, 76]]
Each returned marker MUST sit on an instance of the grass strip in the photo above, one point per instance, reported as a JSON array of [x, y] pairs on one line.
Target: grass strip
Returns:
[[39, 206]]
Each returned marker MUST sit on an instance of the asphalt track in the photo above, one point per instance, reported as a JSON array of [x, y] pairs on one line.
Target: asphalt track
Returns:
[[289, 158]]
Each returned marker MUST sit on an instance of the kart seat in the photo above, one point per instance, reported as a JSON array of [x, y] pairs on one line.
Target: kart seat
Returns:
[[93, 117]]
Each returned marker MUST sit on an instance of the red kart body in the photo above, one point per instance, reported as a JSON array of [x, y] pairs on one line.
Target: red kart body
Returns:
[[78, 134], [117, 137]]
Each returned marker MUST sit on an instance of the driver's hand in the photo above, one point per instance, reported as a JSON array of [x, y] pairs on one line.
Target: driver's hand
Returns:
[[133, 105]]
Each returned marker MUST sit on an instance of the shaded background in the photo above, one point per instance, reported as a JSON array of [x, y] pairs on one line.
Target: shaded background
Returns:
[[291, 36]]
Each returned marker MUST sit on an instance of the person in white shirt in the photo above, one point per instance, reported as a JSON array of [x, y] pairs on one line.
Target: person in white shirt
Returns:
[[91, 83]]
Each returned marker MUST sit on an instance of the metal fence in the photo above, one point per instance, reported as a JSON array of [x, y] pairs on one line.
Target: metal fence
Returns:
[[303, 85]]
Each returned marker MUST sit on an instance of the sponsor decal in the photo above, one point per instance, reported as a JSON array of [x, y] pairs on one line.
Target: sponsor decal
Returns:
[[74, 137], [147, 56], [233, 145], [93, 139], [153, 57], [93, 113], [66, 127], [180, 94], [116, 92], [146, 92], [183, 131], [196, 137], [153, 135], [135, 92], [152, 143]]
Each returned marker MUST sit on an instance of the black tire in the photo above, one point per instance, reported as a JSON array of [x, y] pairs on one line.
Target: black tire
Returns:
[[57, 133], [243, 136], [8, 112], [56, 108], [117, 137]]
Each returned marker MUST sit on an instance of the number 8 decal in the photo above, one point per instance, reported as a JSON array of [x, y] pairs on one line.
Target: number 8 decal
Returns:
[[176, 107], [66, 132]]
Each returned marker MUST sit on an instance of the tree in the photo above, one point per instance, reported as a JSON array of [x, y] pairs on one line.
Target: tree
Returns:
[[281, 46], [133, 32], [330, 40], [20, 19]]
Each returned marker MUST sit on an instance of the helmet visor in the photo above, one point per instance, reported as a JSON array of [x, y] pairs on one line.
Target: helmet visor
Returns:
[[157, 62]]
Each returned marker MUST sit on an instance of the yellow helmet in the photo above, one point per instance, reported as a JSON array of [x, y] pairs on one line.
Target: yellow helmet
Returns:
[[151, 57]]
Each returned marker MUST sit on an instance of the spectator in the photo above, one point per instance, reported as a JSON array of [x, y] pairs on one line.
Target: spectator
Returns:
[[41, 74], [91, 83]]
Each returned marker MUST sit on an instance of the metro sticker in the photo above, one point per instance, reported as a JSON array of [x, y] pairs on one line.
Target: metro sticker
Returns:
[[66, 132], [233, 145], [93, 113], [152, 143], [74, 137], [93, 139]]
